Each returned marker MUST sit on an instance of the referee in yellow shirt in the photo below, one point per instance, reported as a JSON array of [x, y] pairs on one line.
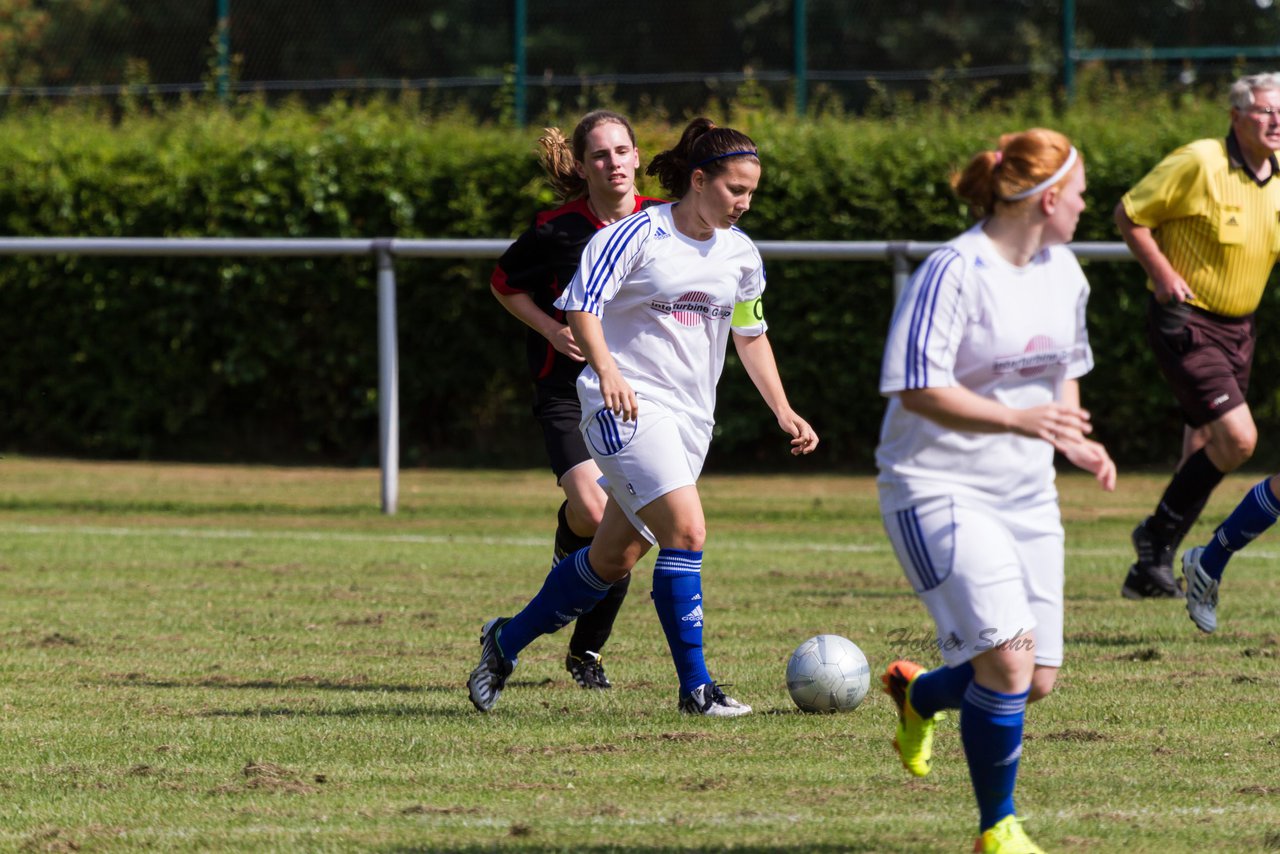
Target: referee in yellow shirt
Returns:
[[1205, 225]]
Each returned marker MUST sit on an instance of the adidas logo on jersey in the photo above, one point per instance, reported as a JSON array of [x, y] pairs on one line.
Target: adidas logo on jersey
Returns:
[[661, 234]]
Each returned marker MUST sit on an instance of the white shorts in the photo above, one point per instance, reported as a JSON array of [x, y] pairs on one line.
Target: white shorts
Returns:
[[644, 459], [988, 574]]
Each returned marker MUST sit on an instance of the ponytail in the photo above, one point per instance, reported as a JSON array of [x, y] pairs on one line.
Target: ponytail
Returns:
[[1014, 172], [702, 146]]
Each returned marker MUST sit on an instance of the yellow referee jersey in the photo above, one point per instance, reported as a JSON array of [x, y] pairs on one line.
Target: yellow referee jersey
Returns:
[[1217, 226]]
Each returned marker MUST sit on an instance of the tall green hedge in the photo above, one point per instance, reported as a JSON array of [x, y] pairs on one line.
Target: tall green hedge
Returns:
[[276, 359]]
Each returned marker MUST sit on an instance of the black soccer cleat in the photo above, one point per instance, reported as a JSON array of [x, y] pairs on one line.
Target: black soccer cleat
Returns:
[[1153, 582], [1151, 576], [587, 670]]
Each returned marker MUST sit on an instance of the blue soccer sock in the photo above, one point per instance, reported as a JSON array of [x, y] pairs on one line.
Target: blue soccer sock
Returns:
[[677, 595], [572, 588], [940, 688], [991, 731], [1256, 512]]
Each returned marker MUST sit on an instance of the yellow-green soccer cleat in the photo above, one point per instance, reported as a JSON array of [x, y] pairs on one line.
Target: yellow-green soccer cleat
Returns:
[[1006, 837], [914, 738]]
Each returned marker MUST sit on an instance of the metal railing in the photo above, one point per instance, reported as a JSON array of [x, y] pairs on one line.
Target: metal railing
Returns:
[[384, 252]]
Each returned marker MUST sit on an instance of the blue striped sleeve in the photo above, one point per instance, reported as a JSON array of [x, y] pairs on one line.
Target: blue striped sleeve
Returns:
[[605, 260], [939, 268]]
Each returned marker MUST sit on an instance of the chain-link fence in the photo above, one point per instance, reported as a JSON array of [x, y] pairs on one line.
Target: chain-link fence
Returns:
[[664, 55]]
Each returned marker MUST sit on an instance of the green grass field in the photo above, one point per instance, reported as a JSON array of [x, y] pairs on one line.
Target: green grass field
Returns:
[[255, 659]]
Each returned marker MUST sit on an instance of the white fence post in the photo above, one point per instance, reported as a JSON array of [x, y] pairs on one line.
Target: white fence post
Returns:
[[901, 269], [388, 379]]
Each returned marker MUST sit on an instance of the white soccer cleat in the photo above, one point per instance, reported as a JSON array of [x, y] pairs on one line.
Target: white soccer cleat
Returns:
[[709, 700], [1202, 592]]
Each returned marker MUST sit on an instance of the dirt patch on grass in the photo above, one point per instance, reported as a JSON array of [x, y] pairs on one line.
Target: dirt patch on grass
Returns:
[[1080, 735], [551, 787], [58, 639], [426, 809], [269, 777], [1146, 654], [706, 785], [370, 620], [57, 840], [1268, 648], [51, 839], [564, 749], [686, 736]]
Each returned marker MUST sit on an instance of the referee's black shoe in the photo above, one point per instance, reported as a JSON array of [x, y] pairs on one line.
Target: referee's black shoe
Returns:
[[587, 670], [1151, 576]]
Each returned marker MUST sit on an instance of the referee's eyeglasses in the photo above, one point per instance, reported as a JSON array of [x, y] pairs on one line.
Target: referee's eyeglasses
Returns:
[[1266, 114]]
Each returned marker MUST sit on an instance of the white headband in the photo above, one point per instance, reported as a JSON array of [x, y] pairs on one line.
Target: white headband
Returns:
[[1047, 182]]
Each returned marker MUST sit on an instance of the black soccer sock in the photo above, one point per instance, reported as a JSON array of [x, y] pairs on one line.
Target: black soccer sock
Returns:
[[567, 542], [1184, 498], [594, 627]]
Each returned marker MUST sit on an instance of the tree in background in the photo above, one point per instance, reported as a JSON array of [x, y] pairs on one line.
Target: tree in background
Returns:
[[466, 45], [21, 26]]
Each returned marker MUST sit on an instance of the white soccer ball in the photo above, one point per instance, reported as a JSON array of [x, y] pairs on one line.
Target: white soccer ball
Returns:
[[828, 673]]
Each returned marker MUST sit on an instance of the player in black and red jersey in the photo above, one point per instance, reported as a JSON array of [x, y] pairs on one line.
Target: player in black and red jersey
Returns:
[[595, 174]]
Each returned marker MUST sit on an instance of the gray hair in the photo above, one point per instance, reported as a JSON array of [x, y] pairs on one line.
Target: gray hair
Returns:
[[1242, 90]]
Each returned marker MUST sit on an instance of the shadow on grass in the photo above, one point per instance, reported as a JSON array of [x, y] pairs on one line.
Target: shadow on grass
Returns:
[[852, 594], [303, 683], [194, 507], [462, 709], [404, 710], [1107, 639], [273, 684], [108, 506], [518, 844], [295, 683]]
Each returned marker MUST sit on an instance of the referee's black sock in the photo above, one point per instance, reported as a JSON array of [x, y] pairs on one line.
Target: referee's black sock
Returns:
[[1184, 498], [567, 542], [593, 628]]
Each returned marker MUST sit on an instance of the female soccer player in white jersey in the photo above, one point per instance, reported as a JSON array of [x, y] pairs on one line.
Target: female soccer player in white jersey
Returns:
[[981, 369], [595, 173], [652, 306]]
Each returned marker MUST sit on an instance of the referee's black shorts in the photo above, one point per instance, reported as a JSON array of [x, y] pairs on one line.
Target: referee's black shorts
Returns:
[[1205, 357], [558, 411]]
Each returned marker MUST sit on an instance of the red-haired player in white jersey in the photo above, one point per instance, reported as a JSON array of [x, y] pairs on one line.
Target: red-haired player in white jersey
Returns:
[[981, 369]]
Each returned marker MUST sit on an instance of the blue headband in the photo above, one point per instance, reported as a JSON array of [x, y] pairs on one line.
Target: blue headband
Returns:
[[702, 163]]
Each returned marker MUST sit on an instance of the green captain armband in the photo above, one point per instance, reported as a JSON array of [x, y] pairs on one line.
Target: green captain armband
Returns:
[[748, 313]]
